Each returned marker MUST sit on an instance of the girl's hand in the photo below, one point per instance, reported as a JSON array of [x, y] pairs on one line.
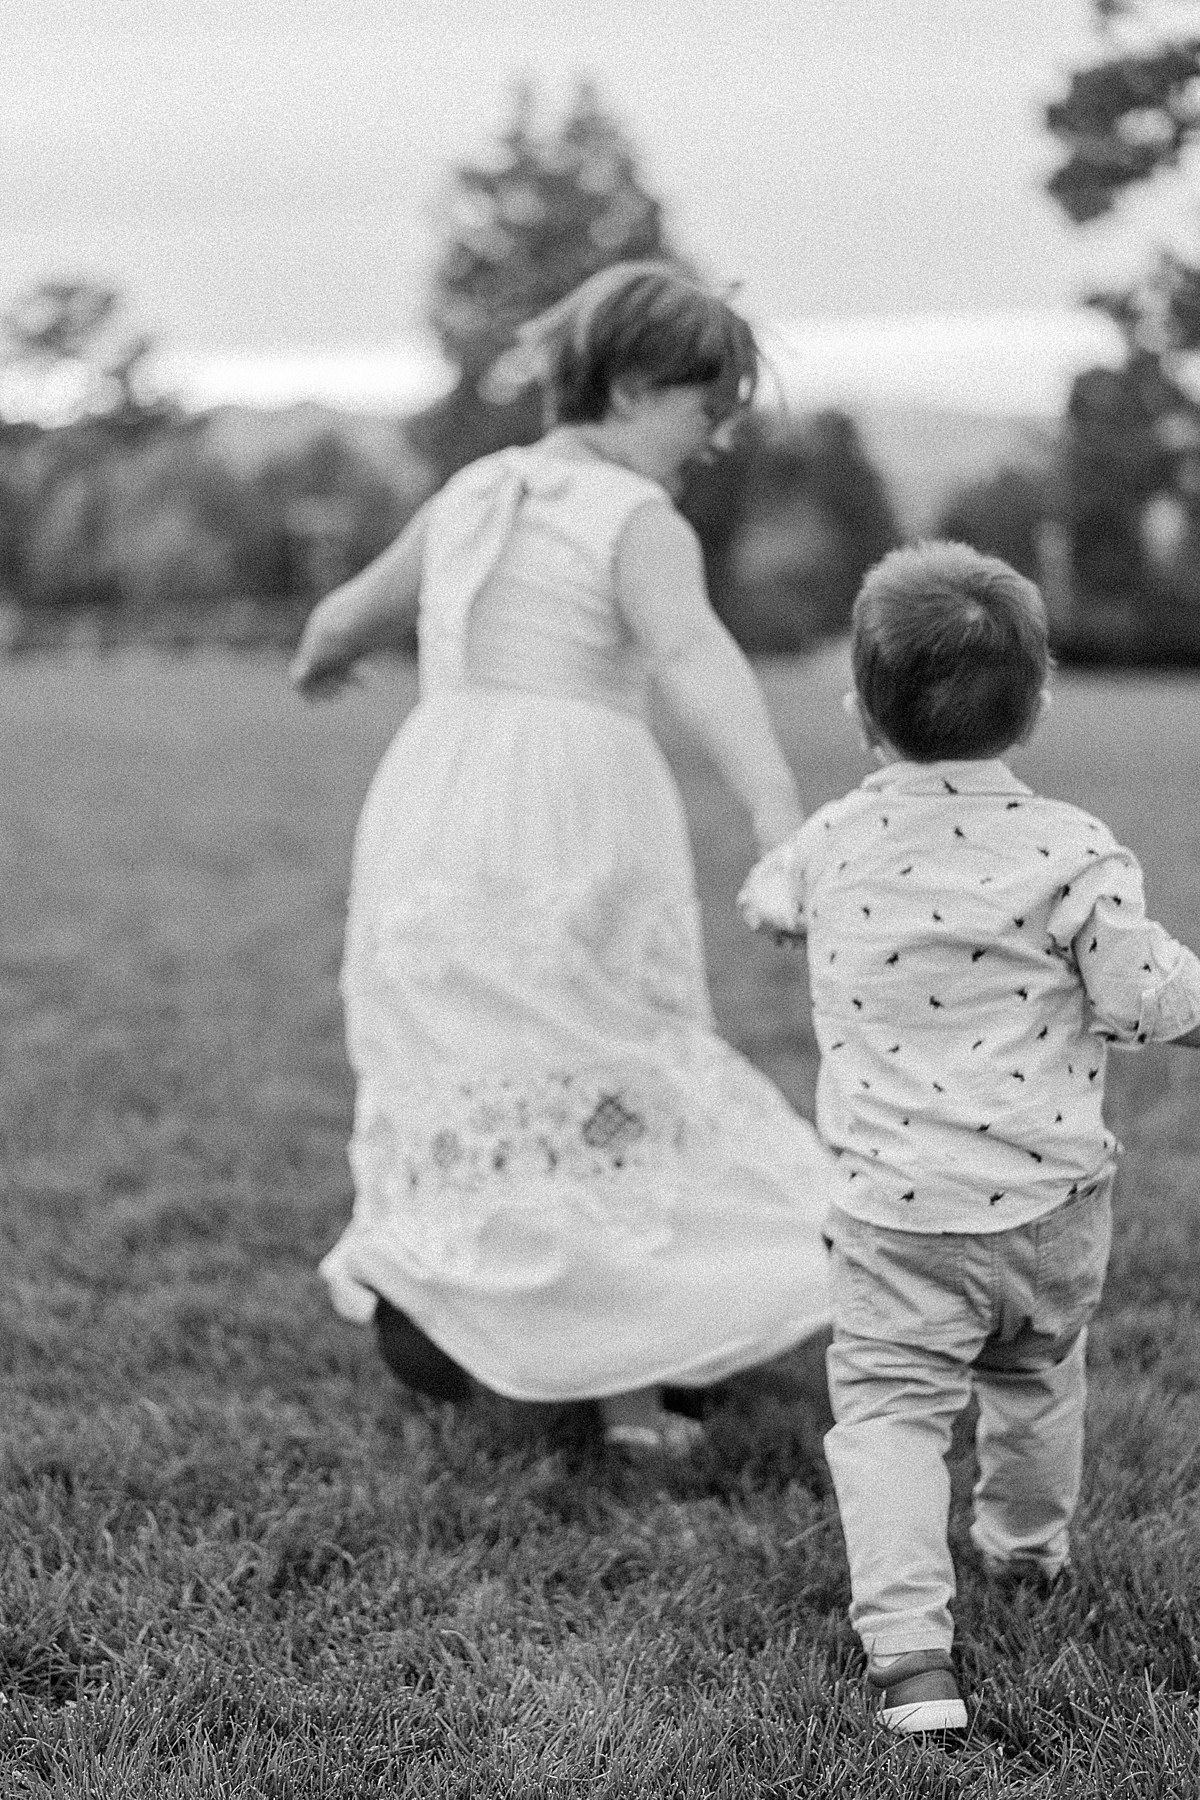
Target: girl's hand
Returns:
[[323, 684], [320, 668]]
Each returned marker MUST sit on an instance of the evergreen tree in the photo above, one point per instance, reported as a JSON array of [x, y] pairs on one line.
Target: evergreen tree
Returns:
[[523, 228], [1128, 118], [1132, 434]]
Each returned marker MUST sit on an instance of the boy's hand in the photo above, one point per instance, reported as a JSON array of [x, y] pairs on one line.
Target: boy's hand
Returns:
[[768, 901]]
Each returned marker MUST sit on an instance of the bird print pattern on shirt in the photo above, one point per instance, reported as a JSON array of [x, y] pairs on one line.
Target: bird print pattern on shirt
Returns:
[[946, 976]]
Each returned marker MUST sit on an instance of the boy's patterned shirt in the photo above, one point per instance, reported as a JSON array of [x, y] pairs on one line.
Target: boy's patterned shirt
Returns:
[[973, 948]]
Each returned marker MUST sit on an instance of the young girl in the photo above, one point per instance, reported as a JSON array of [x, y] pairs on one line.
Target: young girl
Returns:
[[567, 1186]]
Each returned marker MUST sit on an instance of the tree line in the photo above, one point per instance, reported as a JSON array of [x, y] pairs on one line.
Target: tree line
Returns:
[[134, 518], [120, 510]]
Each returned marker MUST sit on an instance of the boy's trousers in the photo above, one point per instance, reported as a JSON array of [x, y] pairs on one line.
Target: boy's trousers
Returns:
[[920, 1323]]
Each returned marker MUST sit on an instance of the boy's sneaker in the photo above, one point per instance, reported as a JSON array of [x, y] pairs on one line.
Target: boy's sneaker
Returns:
[[1009, 1573], [671, 1436], [918, 1693]]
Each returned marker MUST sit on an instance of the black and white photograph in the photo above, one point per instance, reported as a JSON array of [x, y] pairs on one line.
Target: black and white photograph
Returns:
[[600, 922]]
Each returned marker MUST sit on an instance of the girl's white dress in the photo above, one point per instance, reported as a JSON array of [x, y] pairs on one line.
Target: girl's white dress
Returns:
[[562, 1174]]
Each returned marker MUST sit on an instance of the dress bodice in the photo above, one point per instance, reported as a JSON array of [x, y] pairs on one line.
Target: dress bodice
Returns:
[[519, 585]]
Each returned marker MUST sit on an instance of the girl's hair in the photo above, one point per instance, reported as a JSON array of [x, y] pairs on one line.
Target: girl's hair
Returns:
[[643, 321], [950, 652]]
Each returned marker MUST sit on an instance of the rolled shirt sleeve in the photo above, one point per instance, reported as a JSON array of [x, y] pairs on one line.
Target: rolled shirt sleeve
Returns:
[[1143, 986]]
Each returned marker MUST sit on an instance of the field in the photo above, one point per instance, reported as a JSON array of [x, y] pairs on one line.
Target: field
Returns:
[[236, 1560]]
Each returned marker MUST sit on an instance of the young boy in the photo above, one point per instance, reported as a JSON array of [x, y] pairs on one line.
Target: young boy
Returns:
[[973, 949]]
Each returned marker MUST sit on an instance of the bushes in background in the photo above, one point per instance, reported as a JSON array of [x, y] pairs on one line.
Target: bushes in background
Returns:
[[790, 521], [1002, 515], [227, 527], [1109, 525], [224, 526]]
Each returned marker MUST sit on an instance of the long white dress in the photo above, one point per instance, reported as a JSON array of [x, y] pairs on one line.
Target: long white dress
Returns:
[[563, 1175]]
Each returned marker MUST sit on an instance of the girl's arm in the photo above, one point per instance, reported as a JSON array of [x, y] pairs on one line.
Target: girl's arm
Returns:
[[374, 610], [706, 679]]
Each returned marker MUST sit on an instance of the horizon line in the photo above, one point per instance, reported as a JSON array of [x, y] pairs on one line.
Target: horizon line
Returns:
[[1004, 362]]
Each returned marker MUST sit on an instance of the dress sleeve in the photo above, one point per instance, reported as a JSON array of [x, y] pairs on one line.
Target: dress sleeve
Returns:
[[1143, 986], [602, 499]]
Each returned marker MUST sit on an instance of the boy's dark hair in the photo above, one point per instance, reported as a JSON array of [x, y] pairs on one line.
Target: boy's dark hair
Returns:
[[950, 651]]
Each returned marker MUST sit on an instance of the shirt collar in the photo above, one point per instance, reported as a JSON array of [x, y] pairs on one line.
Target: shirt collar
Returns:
[[951, 777]]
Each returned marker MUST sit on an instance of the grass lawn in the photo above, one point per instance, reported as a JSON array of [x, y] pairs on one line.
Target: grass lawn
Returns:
[[236, 1560]]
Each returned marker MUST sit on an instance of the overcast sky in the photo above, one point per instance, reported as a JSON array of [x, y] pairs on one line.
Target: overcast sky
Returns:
[[269, 178]]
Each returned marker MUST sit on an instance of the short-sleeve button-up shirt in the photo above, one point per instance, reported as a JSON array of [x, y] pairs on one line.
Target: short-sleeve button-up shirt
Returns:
[[973, 949]]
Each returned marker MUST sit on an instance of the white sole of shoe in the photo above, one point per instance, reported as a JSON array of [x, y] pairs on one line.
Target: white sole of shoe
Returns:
[[926, 1715], [678, 1438]]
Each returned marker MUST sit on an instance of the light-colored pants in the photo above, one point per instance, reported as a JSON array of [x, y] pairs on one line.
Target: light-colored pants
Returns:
[[920, 1322]]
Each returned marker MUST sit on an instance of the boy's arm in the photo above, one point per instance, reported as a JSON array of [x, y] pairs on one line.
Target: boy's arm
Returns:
[[1143, 986], [374, 610]]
